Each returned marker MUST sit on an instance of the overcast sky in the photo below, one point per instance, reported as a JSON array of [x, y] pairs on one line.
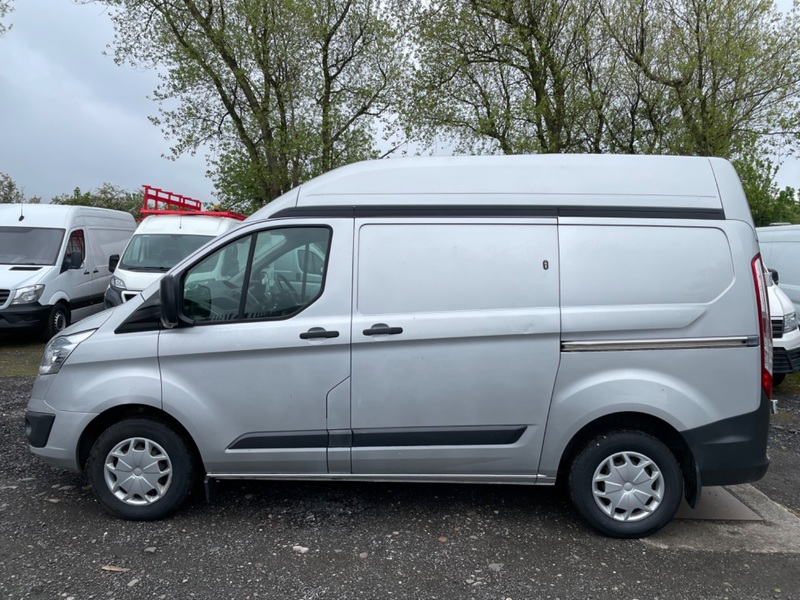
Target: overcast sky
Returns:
[[69, 117]]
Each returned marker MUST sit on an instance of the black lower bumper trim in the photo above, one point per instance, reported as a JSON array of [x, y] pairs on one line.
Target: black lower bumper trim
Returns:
[[37, 428], [24, 316], [733, 450], [786, 361]]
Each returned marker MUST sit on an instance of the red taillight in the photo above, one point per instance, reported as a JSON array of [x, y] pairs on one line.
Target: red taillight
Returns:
[[765, 326]]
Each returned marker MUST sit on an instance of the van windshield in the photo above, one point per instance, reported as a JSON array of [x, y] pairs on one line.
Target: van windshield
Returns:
[[159, 251], [29, 245]]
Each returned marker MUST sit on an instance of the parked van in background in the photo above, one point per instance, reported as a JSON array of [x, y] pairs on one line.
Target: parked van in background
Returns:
[[780, 247], [54, 263], [785, 333], [174, 226], [601, 320]]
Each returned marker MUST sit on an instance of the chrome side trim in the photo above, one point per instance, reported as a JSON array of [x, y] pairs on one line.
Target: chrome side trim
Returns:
[[661, 344]]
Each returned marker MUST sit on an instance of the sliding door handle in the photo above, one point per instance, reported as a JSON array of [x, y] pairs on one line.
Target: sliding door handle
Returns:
[[383, 329], [318, 332]]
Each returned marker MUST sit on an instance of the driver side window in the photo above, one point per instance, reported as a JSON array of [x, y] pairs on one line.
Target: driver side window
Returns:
[[265, 275]]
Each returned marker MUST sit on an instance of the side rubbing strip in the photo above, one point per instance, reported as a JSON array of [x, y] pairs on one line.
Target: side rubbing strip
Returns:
[[509, 211], [283, 439], [673, 344], [457, 436]]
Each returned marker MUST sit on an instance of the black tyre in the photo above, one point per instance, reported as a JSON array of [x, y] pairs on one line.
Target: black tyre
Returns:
[[140, 469], [626, 484], [777, 378], [57, 321]]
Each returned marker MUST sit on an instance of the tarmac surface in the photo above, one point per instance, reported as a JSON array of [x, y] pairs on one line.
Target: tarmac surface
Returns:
[[309, 541]]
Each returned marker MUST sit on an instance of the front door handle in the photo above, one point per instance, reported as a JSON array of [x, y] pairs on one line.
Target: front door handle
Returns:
[[318, 332], [383, 329]]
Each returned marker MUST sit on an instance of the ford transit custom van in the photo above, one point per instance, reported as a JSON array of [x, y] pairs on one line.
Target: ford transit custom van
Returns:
[[598, 320]]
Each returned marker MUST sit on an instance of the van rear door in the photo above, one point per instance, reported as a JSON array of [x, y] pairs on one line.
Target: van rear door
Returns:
[[455, 345]]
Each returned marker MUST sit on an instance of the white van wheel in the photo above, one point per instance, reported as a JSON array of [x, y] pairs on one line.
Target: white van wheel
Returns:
[[57, 321], [626, 484], [140, 470]]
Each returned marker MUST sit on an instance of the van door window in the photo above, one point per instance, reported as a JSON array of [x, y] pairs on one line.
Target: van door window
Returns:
[[266, 275], [76, 243]]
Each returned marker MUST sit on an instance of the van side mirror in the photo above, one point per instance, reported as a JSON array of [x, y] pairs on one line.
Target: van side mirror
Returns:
[[168, 291], [774, 275], [72, 261], [113, 261]]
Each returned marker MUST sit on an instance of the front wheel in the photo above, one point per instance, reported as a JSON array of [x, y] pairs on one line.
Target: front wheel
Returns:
[[140, 469], [777, 378], [626, 484], [57, 321]]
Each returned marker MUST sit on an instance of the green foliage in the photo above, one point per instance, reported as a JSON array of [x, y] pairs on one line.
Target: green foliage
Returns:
[[768, 204], [106, 196], [278, 90], [11, 194]]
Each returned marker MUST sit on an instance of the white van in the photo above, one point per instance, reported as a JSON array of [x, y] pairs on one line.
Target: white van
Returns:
[[785, 334], [780, 247], [160, 242], [54, 263], [593, 319]]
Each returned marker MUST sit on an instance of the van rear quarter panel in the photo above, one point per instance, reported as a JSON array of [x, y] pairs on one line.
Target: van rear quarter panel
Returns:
[[652, 281]]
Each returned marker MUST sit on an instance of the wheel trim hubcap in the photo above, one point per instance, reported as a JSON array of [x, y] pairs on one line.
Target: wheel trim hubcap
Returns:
[[138, 471], [59, 321], [628, 486]]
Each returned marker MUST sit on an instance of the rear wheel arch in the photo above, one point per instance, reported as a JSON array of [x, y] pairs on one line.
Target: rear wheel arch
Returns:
[[645, 423]]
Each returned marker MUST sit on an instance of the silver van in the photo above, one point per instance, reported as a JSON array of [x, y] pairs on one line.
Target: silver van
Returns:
[[601, 320]]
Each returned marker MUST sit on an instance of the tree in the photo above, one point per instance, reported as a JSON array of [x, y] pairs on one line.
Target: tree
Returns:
[[507, 75], [768, 203], [279, 90], [727, 73], [5, 8], [106, 196], [11, 194]]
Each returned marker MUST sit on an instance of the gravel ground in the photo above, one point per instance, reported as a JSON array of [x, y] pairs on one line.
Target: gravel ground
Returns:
[[370, 541]]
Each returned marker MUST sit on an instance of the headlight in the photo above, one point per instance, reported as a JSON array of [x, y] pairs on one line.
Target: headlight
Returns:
[[117, 283], [789, 322], [28, 295], [58, 349]]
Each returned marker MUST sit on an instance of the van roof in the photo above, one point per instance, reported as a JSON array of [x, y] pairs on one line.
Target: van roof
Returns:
[[191, 224], [59, 216], [779, 233], [526, 180]]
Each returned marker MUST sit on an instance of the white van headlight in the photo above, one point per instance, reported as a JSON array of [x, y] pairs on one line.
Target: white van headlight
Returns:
[[28, 294], [58, 349], [117, 283], [789, 322]]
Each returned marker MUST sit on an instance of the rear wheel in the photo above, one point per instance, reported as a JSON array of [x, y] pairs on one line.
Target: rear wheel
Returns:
[[626, 484], [777, 378], [140, 469]]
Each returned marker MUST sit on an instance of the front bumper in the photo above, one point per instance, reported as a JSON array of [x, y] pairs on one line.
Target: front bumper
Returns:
[[54, 435], [733, 450], [24, 317], [786, 361]]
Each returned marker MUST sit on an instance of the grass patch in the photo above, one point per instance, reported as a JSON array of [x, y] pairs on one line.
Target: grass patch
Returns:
[[20, 356]]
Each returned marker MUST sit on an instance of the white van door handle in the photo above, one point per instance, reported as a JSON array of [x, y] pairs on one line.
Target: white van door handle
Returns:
[[383, 329], [318, 332]]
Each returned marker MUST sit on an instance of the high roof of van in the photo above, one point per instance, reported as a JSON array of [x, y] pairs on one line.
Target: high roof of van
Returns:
[[544, 179], [58, 216], [187, 224], [779, 233]]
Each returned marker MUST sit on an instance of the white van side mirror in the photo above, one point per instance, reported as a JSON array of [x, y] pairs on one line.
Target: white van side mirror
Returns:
[[113, 261]]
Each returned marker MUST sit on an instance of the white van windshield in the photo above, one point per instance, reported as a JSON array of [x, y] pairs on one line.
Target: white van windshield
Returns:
[[159, 251], [29, 245]]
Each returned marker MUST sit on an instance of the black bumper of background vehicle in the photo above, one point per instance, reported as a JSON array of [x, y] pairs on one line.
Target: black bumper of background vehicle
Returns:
[[785, 361], [24, 317], [112, 297], [733, 450]]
